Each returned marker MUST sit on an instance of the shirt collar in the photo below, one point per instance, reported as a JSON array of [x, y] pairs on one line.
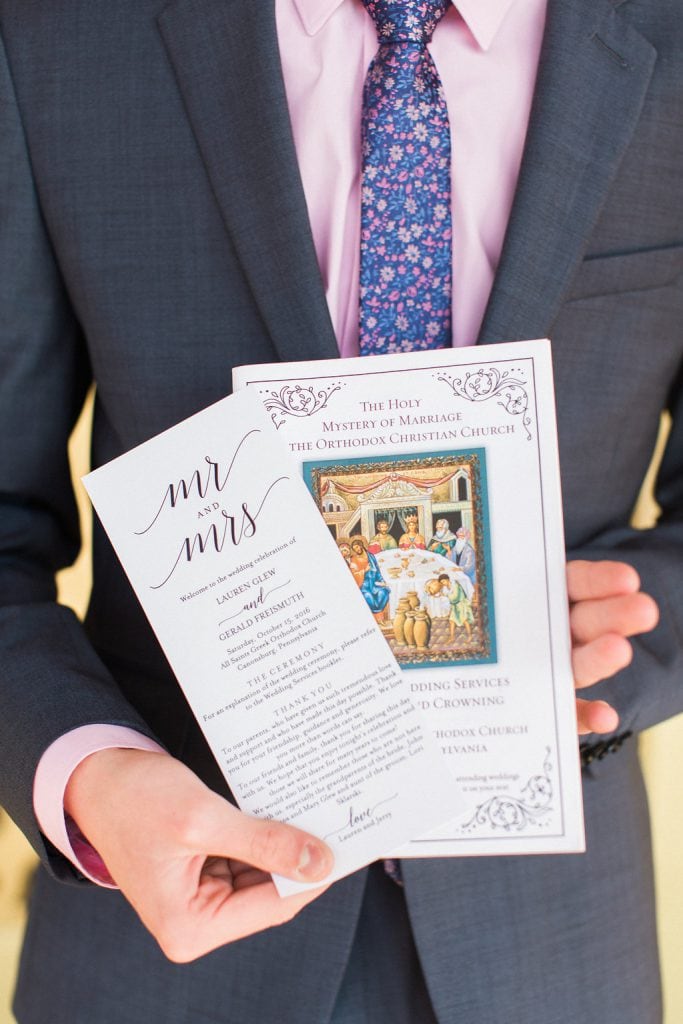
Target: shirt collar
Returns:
[[316, 13], [482, 17]]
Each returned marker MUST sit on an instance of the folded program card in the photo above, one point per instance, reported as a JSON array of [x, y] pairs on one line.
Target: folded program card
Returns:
[[304, 706], [437, 474]]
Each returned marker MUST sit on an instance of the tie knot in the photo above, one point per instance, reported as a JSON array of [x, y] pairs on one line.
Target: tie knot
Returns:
[[400, 21]]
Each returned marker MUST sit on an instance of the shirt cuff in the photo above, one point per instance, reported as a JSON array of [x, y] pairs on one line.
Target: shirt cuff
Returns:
[[52, 776]]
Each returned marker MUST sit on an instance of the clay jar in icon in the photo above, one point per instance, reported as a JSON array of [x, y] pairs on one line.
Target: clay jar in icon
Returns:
[[421, 630], [399, 622], [409, 628]]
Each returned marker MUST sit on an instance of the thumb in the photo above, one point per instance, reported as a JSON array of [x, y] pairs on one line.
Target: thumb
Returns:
[[271, 846]]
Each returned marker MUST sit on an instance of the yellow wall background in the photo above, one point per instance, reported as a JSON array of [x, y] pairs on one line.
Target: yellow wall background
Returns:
[[661, 750]]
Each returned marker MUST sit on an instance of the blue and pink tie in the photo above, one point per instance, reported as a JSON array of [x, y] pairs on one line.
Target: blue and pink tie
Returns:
[[406, 236]]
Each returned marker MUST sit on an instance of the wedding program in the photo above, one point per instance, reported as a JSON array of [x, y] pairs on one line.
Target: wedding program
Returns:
[[281, 659], [436, 475]]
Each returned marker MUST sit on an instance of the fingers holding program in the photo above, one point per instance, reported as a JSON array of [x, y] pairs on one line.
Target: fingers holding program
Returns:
[[595, 716], [606, 608], [195, 868]]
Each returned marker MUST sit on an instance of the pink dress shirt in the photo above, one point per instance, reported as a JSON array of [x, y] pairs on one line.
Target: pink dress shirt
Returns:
[[486, 52]]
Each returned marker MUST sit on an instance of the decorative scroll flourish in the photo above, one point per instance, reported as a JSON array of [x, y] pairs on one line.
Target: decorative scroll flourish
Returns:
[[514, 814], [297, 400], [484, 384]]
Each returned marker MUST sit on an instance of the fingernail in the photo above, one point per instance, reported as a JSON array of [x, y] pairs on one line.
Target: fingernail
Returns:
[[313, 863]]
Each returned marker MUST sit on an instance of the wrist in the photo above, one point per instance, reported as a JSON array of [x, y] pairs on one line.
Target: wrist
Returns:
[[92, 778]]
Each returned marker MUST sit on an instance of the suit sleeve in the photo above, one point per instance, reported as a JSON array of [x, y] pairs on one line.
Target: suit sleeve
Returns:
[[651, 688], [50, 677]]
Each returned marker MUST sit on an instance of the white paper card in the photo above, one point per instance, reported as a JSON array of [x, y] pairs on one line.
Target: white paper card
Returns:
[[302, 703], [401, 453]]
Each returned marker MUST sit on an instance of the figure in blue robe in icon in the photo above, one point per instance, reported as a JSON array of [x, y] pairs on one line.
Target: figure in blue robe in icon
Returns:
[[368, 576], [463, 555]]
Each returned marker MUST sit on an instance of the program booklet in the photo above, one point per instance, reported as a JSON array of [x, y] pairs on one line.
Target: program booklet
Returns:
[[303, 704], [436, 475]]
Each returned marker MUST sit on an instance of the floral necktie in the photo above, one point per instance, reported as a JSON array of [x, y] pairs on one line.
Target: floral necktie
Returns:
[[405, 275]]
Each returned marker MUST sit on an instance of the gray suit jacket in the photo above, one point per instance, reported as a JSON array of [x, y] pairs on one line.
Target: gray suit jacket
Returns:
[[153, 233]]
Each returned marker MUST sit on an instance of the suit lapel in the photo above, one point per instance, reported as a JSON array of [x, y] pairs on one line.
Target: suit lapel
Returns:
[[226, 60], [593, 75]]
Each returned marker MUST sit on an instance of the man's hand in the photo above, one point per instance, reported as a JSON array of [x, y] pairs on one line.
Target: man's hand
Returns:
[[194, 867], [606, 606]]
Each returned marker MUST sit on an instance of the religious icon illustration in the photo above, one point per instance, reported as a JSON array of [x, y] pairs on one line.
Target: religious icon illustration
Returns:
[[414, 532]]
